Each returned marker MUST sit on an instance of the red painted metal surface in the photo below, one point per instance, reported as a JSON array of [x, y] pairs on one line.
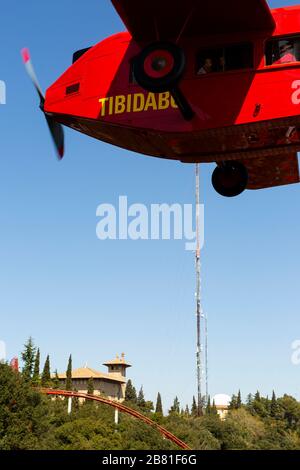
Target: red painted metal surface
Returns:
[[149, 20], [240, 114], [124, 409]]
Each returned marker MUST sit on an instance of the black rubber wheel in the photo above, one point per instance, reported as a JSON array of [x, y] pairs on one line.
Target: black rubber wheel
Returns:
[[230, 179], [159, 67]]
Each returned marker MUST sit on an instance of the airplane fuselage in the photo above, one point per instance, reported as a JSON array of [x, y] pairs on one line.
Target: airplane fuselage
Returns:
[[239, 113]]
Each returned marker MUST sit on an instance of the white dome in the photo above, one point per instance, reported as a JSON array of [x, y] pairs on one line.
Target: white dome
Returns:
[[221, 399]]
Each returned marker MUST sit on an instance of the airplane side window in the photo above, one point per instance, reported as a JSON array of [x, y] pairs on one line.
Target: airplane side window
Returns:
[[283, 51], [223, 59], [210, 60]]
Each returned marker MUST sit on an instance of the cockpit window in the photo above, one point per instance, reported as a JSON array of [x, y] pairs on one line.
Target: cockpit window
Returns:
[[224, 59], [283, 51]]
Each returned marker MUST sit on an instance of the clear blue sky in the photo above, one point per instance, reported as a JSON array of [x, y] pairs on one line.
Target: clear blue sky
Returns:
[[76, 294]]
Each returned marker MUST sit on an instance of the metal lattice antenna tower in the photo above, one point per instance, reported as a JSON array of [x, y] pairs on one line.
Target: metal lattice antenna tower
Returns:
[[204, 317], [198, 294], [206, 359]]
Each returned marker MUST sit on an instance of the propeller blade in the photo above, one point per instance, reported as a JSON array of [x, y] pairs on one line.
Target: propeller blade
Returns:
[[30, 70], [55, 128], [57, 133]]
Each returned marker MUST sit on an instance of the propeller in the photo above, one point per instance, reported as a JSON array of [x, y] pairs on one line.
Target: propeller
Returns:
[[56, 129]]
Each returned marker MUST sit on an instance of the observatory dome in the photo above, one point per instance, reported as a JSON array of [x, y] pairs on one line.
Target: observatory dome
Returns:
[[221, 399]]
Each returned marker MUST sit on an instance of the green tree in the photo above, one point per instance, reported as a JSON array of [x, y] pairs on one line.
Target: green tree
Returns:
[[141, 398], [257, 396], [25, 415], [213, 410], [236, 401], [239, 400], [69, 375], [277, 437], [208, 406], [91, 387], [291, 411], [159, 408], [76, 403], [259, 406], [46, 374], [36, 380], [194, 409], [90, 391], [28, 356], [55, 380], [241, 430], [249, 400], [233, 403], [149, 406], [274, 408], [175, 408], [130, 392]]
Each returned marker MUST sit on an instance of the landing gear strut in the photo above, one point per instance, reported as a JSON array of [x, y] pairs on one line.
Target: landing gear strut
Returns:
[[230, 179]]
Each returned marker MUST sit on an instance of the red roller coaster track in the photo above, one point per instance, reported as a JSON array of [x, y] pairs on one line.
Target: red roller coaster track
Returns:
[[122, 408]]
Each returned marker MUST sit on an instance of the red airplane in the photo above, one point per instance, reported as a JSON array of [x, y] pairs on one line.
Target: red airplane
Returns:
[[194, 81]]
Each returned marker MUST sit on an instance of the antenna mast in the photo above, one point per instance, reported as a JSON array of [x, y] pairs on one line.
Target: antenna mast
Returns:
[[198, 293], [206, 358]]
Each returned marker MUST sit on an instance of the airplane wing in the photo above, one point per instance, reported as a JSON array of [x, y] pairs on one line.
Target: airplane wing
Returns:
[[268, 172], [156, 20]]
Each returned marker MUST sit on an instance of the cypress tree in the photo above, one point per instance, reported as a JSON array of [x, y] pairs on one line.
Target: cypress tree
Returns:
[[69, 374], [90, 391], [175, 408], [158, 408], [141, 399], [260, 406], [28, 356], [239, 400], [273, 404], [130, 392], [208, 407], [249, 399], [274, 408], [176, 405], [46, 375], [36, 370], [187, 411], [91, 387], [257, 396], [233, 403], [55, 381], [194, 409]]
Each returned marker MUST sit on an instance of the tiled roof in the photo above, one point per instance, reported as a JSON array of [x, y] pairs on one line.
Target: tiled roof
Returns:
[[118, 361], [87, 373]]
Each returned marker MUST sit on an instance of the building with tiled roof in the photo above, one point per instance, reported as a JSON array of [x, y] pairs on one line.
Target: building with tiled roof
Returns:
[[111, 384], [222, 403]]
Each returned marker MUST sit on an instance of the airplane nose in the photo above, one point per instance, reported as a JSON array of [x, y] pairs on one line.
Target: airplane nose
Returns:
[[158, 64]]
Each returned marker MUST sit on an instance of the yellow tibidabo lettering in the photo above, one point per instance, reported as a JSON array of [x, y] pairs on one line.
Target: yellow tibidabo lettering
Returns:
[[151, 102], [120, 104], [136, 103]]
